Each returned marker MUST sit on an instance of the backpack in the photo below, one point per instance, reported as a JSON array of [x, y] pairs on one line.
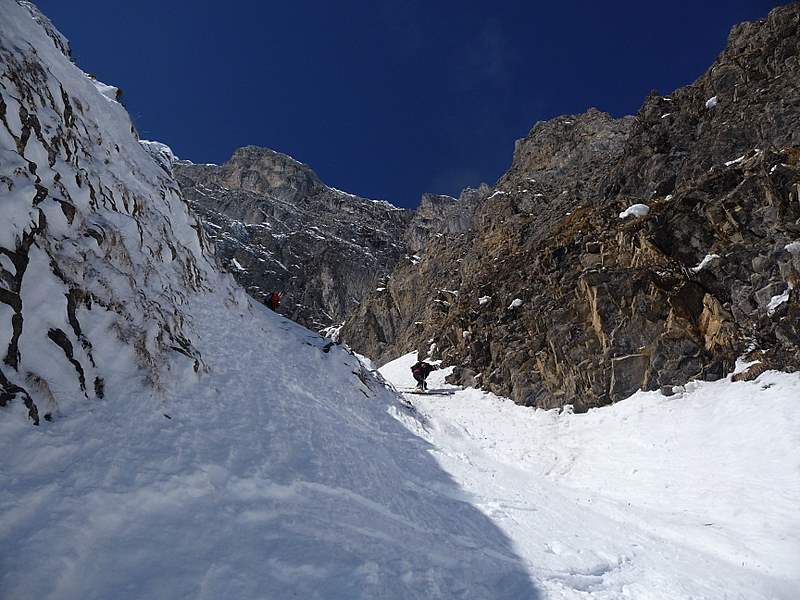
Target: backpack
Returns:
[[421, 368]]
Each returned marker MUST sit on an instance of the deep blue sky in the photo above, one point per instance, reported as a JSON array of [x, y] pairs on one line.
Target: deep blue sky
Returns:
[[386, 99]]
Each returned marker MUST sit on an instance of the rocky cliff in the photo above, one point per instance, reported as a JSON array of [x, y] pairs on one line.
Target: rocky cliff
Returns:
[[277, 227], [618, 254], [438, 215], [98, 251]]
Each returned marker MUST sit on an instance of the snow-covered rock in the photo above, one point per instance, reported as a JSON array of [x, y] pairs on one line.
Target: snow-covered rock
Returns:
[[735, 161], [332, 333], [162, 154], [101, 250], [777, 300], [110, 92], [712, 102], [515, 303]]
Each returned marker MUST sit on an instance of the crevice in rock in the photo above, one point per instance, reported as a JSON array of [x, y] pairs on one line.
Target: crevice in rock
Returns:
[[58, 337]]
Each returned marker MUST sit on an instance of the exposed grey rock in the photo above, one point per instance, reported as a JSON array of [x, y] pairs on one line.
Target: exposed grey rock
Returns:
[[627, 375], [439, 215], [277, 227], [597, 290], [765, 294]]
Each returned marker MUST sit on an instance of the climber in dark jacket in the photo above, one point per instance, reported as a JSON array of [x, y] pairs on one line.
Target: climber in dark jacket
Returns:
[[420, 370]]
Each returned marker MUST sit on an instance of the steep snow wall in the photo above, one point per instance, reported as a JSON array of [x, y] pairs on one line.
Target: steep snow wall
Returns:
[[98, 250]]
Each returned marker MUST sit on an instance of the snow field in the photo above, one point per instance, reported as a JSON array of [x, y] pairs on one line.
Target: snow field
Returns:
[[281, 473], [689, 496]]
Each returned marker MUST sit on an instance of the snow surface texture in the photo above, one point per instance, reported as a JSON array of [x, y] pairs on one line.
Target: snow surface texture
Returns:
[[99, 251], [689, 496], [282, 474]]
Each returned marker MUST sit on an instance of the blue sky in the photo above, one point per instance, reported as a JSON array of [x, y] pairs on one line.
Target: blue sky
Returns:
[[386, 99]]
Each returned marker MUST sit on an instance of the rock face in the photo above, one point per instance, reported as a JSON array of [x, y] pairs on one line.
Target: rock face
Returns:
[[98, 251], [438, 216], [550, 297], [277, 227]]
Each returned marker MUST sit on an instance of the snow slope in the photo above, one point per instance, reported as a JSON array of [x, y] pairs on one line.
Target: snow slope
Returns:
[[690, 496], [281, 474], [191, 445]]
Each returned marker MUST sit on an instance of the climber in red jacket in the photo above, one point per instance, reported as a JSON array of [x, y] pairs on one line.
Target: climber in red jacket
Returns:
[[274, 300]]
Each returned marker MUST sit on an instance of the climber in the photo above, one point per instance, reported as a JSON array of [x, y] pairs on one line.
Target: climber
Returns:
[[274, 300], [420, 370]]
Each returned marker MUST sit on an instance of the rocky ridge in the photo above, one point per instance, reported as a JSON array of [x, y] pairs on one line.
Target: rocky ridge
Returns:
[[553, 295], [277, 227]]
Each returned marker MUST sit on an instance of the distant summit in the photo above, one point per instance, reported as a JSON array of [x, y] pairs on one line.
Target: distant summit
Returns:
[[278, 227]]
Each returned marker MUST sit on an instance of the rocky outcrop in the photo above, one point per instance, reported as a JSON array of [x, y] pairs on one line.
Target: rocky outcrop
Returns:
[[98, 251], [556, 294], [277, 227], [438, 215]]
